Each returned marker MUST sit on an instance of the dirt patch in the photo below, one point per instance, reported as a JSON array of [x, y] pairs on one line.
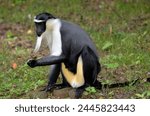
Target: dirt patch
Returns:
[[17, 35], [105, 93], [12, 33], [14, 28], [137, 22]]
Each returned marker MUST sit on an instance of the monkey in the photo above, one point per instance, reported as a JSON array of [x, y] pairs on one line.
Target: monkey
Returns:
[[72, 54]]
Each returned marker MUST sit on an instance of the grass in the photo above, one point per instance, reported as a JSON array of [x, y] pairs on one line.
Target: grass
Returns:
[[120, 29]]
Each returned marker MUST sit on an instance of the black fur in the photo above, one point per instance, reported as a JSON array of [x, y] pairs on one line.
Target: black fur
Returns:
[[75, 42], [41, 27], [44, 16]]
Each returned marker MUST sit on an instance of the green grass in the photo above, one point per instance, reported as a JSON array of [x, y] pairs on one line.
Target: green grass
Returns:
[[120, 30], [15, 82]]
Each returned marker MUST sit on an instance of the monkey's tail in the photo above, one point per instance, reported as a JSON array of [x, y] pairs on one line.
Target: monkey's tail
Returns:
[[123, 84]]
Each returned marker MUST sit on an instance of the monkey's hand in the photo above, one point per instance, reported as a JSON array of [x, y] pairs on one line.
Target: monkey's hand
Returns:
[[32, 63]]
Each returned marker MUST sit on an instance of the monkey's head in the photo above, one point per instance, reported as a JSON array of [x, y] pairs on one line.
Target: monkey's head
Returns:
[[40, 27]]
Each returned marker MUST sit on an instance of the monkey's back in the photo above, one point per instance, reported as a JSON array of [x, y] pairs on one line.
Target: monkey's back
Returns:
[[74, 40]]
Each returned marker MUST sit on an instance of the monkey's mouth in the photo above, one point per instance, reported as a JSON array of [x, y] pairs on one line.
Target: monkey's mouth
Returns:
[[38, 44]]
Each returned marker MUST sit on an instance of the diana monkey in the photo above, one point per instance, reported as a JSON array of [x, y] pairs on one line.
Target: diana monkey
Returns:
[[72, 54]]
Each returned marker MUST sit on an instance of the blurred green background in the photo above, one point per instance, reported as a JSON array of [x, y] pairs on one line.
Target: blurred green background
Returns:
[[119, 28]]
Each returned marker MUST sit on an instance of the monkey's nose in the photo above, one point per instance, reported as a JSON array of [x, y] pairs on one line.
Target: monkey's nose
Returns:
[[39, 33]]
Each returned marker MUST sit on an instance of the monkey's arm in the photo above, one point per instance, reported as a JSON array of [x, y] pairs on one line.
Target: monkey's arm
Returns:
[[48, 60]]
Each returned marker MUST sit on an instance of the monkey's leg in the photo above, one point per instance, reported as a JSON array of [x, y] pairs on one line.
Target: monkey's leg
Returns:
[[63, 84], [53, 76]]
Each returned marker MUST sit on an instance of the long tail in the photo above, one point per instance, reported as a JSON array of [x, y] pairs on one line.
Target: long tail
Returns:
[[123, 84]]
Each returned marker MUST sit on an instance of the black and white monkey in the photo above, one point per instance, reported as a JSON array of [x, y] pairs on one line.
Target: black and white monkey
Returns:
[[72, 53]]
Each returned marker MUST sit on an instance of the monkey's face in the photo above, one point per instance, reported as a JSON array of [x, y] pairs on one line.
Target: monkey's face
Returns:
[[40, 27]]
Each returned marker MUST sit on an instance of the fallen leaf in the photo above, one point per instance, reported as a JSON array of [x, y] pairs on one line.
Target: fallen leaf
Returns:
[[107, 45], [14, 65], [29, 31]]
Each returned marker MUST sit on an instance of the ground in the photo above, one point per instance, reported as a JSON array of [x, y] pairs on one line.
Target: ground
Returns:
[[120, 30]]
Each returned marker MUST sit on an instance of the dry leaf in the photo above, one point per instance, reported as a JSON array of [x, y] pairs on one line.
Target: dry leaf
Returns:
[[14, 65]]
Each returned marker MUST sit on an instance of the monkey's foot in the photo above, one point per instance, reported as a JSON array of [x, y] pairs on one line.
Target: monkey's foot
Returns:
[[49, 88], [54, 86], [79, 91], [60, 86]]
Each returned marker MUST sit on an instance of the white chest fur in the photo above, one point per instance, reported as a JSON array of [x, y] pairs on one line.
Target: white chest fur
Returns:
[[53, 36]]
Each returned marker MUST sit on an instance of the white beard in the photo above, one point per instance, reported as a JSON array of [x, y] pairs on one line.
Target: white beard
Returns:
[[38, 44]]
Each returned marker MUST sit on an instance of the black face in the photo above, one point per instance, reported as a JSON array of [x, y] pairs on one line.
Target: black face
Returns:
[[40, 28], [41, 25]]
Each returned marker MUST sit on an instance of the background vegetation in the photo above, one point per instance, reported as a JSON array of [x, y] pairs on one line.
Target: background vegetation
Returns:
[[119, 28]]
